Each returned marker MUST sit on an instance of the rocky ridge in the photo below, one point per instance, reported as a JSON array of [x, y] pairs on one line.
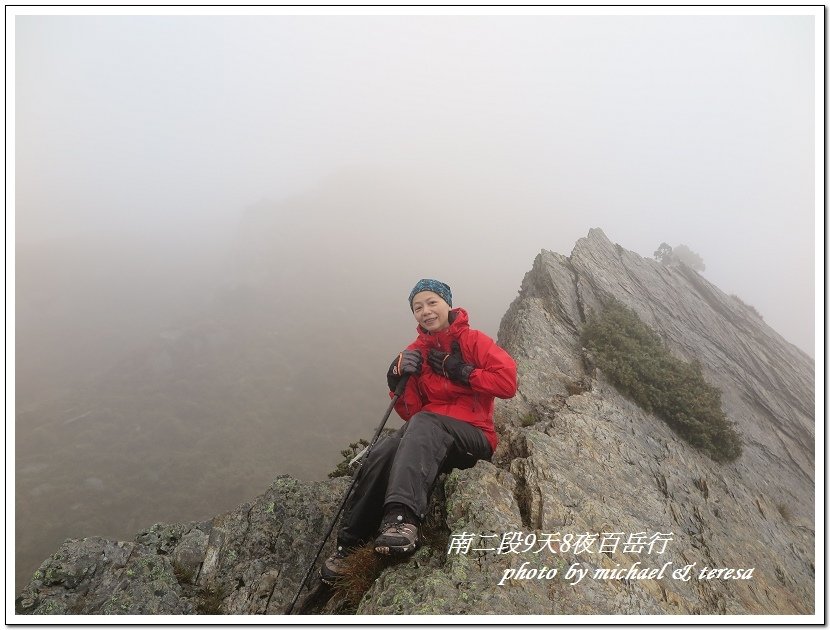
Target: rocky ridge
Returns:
[[575, 458]]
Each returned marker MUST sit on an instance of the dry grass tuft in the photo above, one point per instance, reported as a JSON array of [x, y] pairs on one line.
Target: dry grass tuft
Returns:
[[209, 599], [363, 567]]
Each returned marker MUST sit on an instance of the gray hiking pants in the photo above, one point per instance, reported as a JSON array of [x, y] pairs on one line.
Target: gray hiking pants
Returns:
[[403, 467]]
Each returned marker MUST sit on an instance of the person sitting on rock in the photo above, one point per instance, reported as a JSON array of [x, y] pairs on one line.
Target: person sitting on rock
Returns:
[[454, 372]]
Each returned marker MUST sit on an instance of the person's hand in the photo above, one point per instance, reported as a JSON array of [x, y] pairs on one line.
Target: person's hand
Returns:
[[451, 365], [407, 362]]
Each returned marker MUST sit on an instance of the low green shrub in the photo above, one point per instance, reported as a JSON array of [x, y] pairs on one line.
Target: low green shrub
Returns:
[[749, 307], [529, 419], [343, 469], [638, 363]]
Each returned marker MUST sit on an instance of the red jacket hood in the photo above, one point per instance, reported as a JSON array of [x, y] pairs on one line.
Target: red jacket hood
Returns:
[[458, 322]]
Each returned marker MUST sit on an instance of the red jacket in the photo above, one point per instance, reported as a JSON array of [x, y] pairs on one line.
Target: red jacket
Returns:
[[495, 375]]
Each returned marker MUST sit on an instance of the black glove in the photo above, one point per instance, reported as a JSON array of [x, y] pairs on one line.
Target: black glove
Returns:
[[451, 365], [407, 362]]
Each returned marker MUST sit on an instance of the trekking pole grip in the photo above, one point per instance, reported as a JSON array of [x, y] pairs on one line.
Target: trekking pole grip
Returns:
[[401, 386]]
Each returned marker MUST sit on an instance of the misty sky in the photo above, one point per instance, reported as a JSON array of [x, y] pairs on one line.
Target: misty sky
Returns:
[[499, 136]]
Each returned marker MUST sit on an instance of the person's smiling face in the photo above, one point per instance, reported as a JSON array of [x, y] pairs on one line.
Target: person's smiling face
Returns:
[[431, 311]]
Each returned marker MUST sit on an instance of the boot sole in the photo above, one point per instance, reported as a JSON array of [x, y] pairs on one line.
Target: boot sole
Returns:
[[397, 551], [330, 579]]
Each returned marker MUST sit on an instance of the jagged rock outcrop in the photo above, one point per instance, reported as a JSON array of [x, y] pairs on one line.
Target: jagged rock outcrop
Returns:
[[247, 561], [575, 458]]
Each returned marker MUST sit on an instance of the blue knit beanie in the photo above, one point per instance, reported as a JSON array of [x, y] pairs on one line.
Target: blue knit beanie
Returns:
[[443, 290]]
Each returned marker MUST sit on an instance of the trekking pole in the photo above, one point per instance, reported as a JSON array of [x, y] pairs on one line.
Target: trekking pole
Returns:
[[398, 393]]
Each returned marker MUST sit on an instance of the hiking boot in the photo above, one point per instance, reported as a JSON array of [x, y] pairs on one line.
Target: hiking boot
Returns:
[[335, 567], [397, 538]]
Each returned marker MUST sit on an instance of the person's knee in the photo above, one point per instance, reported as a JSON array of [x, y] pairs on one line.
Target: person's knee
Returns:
[[421, 423], [384, 449], [425, 433]]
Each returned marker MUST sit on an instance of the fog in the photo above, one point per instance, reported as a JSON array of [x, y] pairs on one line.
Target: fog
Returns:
[[218, 220]]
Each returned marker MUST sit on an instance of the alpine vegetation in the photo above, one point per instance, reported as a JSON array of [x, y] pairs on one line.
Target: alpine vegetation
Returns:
[[344, 468], [639, 364]]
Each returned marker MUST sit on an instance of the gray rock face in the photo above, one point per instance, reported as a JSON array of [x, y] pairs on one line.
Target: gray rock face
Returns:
[[248, 561], [610, 465], [576, 461]]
